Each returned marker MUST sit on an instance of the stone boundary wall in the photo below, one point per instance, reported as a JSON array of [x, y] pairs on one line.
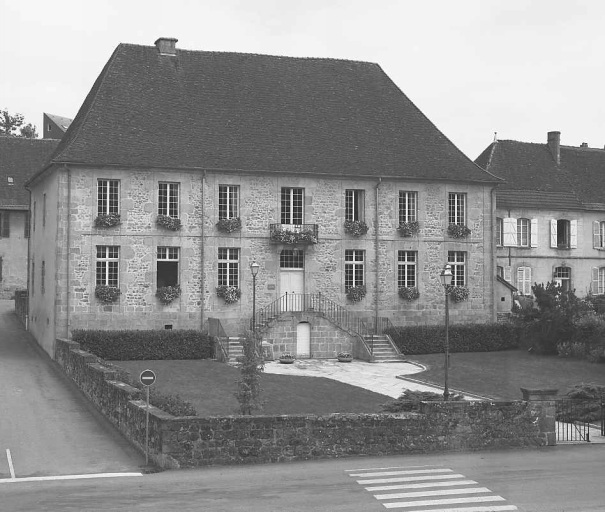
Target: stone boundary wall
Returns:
[[190, 441]]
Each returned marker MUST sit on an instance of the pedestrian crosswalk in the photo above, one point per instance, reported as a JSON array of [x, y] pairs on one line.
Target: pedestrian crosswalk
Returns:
[[422, 488]]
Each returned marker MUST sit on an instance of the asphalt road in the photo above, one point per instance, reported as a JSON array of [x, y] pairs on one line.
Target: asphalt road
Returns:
[[47, 428]]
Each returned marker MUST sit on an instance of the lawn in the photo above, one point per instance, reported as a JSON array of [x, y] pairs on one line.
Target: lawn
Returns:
[[210, 386], [499, 375]]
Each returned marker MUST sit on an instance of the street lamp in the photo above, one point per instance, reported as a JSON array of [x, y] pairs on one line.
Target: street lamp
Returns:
[[254, 269], [446, 281]]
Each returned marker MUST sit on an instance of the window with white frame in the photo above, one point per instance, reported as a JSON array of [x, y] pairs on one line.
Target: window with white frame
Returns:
[[228, 267], [519, 232], [408, 204], [523, 232], [598, 234], [228, 201], [354, 268], [524, 280], [167, 266], [5, 224], [457, 261], [354, 205], [564, 234], [562, 276], [292, 202], [292, 259], [456, 208], [168, 199], [406, 269], [108, 196], [108, 260], [499, 240], [598, 281]]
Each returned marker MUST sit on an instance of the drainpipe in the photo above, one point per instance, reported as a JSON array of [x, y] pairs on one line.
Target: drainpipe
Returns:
[[377, 269], [202, 254], [67, 265]]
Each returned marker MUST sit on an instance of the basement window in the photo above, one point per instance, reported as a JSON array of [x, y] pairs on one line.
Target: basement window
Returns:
[[167, 266]]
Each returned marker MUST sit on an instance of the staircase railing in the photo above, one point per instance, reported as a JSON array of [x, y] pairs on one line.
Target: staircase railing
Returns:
[[221, 340]]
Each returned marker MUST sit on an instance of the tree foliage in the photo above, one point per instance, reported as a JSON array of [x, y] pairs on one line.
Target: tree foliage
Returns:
[[12, 125], [252, 367]]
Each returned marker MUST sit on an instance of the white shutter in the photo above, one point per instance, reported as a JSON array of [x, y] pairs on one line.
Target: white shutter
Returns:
[[509, 226], [553, 233], [534, 233], [596, 234], [594, 285], [528, 279], [573, 239], [508, 273]]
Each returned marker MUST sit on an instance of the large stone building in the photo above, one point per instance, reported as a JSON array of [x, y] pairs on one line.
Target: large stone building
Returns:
[[213, 161], [550, 216]]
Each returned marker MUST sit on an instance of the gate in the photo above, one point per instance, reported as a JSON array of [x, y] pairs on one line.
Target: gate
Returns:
[[574, 418]]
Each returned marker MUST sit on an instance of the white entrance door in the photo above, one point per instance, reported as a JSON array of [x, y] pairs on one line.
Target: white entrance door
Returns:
[[303, 339], [292, 282]]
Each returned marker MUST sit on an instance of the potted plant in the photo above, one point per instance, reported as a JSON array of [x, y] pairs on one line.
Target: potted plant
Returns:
[[285, 236], [458, 231], [165, 221], [229, 225], [458, 293], [230, 294], [107, 220], [407, 229], [286, 358], [167, 294], [356, 227], [409, 293], [107, 294], [344, 357], [356, 293]]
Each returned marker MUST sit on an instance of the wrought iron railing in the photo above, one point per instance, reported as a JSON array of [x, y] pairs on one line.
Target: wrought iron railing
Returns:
[[221, 340], [294, 234]]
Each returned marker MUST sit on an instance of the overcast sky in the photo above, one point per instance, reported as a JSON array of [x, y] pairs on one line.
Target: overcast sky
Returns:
[[474, 67]]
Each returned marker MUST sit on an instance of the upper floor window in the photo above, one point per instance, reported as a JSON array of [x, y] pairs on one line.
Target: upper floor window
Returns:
[[228, 201], [499, 231], [456, 208], [292, 258], [457, 260], [228, 267], [406, 269], [598, 232], [564, 233], [108, 259], [524, 280], [292, 201], [519, 232], [523, 232], [562, 276], [598, 281], [108, 196], [168, 199], [167, 266], [354, 205], [354, 268], [408, 204], [4, 224]]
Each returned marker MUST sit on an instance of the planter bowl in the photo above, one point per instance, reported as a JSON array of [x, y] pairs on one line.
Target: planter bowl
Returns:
[[345, 359], [286, 361]]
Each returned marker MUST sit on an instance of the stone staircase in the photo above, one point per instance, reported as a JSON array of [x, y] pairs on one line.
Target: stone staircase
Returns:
[[236, 348], [383, 351]]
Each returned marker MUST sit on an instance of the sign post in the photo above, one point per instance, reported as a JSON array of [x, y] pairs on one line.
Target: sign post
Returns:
[[147, 378]]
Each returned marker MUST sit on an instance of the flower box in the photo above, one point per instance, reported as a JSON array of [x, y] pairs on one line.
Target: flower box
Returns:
[[458, 231], [356, 293], [107, 220], [229, 225], [356, 227], [167, 294], [409, 293], [290, 237], [230, 294], [458, 293], [407, 229], [107, 294], [165, 221]]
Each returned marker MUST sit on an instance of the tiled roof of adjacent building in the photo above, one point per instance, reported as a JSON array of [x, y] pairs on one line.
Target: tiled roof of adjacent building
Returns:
[[20, 159], [534, 180], [233, 111]]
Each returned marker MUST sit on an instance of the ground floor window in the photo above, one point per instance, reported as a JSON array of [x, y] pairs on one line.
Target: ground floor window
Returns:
[[107, 265], [228, 267], [601, 281], [354, 268], [457, 260], [292, 258], [406, 269], [562, 276], [524, 280], [167, 266]]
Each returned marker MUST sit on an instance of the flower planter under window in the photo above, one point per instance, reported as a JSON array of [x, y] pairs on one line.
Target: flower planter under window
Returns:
[[458, 231], [230, 294], [229, 225], [107, 294], [356, 293], [108, 220], [458, 293], [356, 227], [407, 229], [165, 221], [167, 294], [307, 234], [409, 293]]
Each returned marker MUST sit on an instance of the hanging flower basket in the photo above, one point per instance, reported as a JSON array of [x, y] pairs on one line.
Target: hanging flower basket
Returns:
[[230, 294], [407, 229], [458, 293], [344, 357], [458, 231], [165, 221], [107, 294], [229, 225], [356, 227], [356, 293], [167, 294], [409, 293], [107, 220], [286, 358]]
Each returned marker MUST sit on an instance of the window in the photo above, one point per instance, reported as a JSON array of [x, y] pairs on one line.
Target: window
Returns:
[[499, 231], [562, 276], [457, 260], [519, 232], [228, 267], [456, 208], [354, 205], [4, 224], [168, 199], [107, 196], [598, 234], [10, 180], [0, 268], [167, 265], [523, 232], [524, 280], [228, 202], [500, 271], [34, 221], [598, 281], [291, 205], [564, 234], [408, 202], [26, 226], [353, 268], [44, 210], [43, 277], [406, 269], [107, 265], [292, 258]]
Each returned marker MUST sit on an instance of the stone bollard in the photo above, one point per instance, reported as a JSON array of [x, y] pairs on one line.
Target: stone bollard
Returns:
[[544, 400]]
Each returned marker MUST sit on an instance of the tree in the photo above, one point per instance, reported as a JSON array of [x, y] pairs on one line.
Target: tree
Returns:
[[12, 125], [29, 131]]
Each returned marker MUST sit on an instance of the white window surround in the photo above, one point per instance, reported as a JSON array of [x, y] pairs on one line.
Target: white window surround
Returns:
[[597, 286], [510, 235], [573, 234], [524, 280], [598, 234]]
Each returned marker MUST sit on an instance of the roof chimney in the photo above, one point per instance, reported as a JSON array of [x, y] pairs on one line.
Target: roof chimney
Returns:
[[584, 145], [554, 144], [166, 45]]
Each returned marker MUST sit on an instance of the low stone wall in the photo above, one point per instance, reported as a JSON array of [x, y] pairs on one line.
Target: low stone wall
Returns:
[[191, 441]]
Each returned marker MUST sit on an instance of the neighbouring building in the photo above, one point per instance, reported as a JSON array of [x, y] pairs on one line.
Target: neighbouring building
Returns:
[[54, 127], [182, 168], [550, 214], [20, 159]]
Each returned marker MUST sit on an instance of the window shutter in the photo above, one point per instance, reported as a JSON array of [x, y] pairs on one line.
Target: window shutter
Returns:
[[553, 233], [5, 225], [596, 234], [534, 233], [573, 239], [594, 285], [528, 279], [509, 228], [507, 273]]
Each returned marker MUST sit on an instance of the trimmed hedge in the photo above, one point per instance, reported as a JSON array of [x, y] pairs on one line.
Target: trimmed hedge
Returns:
[[145, 345], [430, 339]]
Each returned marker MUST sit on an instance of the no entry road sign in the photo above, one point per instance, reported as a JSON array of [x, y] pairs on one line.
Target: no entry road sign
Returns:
[[147, 377]]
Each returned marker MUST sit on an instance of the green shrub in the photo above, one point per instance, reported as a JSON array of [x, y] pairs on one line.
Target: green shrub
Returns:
[[430, 339], [587, 339], [587, 406], [410, 400], [145, 345], [172, 404]]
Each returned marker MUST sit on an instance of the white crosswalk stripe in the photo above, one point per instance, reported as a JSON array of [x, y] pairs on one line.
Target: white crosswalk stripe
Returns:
[[422, 488]]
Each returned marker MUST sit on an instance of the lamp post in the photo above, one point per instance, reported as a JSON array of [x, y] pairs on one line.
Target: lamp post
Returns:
[[254, 269], [446, 280]]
